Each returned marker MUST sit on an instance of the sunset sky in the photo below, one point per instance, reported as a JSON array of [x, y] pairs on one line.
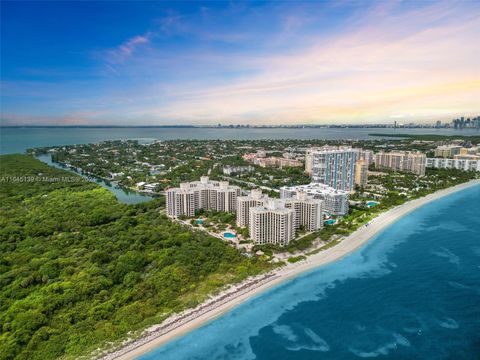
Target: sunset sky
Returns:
[[163, 63]]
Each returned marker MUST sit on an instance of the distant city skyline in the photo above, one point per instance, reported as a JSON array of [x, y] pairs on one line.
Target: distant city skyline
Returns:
[[247, 63]]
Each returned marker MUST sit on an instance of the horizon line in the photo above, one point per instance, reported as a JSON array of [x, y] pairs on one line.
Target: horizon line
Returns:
[[233, 126]]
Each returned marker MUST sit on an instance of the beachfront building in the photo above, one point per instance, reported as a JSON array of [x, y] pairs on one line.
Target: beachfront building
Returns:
[[361, 173], [308, 211], [447, 151], [204, 194], [335, 202], [332, 166], [245, 203], [466, 157], [461, 164], [272, 223], [414, 162]]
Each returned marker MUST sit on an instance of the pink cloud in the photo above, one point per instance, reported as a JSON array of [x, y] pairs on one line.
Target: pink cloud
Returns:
[[421, 63], [126, 49]]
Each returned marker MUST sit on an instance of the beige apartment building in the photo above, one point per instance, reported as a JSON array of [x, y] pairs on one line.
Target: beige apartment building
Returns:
[[279, 162], [245, 203], [361, 173], [308, 211], [272, 223], [413, 162], [447, 151], [204, 194], [269, 219]]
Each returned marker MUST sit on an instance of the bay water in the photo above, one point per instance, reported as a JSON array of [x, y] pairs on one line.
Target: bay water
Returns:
[[18, 139]]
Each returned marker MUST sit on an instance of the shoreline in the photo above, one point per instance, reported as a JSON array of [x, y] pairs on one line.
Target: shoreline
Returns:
[[194, 318]]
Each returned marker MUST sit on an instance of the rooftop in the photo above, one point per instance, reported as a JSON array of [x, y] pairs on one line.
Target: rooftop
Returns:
[[315, 188]]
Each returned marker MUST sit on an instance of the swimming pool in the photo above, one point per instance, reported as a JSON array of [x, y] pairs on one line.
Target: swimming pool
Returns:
[[229, 235], [199, 221], [372, 203], [330, 221]]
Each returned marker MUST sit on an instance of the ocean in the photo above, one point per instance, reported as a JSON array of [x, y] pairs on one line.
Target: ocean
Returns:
[[412, 292], [17, 140]]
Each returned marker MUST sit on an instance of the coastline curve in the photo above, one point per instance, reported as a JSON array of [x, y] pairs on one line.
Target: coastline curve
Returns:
[[154, 339]]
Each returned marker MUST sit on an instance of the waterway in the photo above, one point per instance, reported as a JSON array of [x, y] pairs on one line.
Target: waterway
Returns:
[[122, 194]]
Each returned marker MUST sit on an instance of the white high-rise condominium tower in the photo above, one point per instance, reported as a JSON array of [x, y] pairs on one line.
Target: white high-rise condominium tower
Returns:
[[245, 203], [335, 202], [181, 201], [272, 223], [204, 194], [308, 211], [334, 167], [462, 164]]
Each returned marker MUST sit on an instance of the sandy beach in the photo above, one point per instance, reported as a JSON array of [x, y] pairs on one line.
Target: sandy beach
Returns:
[[194, 318]]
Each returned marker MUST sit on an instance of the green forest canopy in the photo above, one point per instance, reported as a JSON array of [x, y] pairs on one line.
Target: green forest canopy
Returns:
[[78, 268]]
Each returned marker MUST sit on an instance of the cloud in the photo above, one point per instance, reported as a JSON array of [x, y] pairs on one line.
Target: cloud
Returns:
[[389, 59], [73, 118], [422, 64], [125, 50], [170, 24]]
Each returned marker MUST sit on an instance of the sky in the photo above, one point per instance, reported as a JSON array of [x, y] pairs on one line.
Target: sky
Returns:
[[283, 62]]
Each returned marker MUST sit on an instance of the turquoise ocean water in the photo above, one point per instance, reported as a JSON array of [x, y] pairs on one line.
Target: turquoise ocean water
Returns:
[[413, 292]]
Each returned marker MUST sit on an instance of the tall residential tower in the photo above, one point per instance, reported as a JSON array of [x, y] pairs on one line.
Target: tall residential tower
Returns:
[[204, 194], [272, 223], [308, 211], [334, 167]]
